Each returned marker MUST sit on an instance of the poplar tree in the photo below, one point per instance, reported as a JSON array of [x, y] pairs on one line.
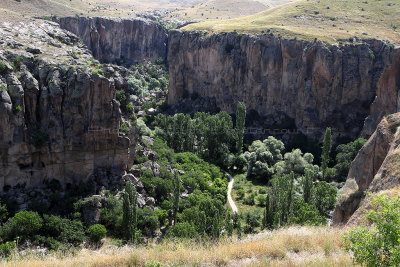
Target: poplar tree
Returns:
[[326, 150], [307, 185], [240, 125], [176, 194], [129, 216]]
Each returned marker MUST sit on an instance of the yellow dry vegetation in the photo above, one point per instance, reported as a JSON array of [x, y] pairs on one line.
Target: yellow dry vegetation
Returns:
[[326, 20], [293, 246]]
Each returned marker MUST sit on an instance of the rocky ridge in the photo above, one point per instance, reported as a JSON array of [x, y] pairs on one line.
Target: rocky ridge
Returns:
[[374, 170], [59, 119]]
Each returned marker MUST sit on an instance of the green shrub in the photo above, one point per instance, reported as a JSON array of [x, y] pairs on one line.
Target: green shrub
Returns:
[[7, 248], [98, 72], [378, 245], [125, 128], [262, 190], [63, 230], [2, 67], [129, 107], [261, 200], [147, 218], [250, 199], [240, 194], [24, 224], [306, 214], [324, 197], [120, 95], [182, 230], [18, 109], [97, 232]]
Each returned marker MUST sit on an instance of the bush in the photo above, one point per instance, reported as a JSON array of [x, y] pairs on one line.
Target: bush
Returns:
[[182, 230], [63, 230], [121, 97], [7, 248], [2, 67], [97, 232], [124, 128], [250, 199], [24, 225], [147, 218], [306, 214], [129, 107], [378, 245], [261, 200], [240, 194], [324, 197]]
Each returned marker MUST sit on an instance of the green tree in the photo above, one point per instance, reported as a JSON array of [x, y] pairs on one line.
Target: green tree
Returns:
[[97, 232], [307, 185], [325, 196], [306, 214], [326, 150], [268, 219], [240, 125], [129, 217], [346, 153], [177, 193], [378, 245]]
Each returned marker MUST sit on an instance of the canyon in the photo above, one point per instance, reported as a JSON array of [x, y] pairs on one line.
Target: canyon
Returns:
[[61, 121]]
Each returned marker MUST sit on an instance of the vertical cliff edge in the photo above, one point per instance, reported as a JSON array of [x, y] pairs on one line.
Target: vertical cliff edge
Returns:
[[59, 119], [126, 41], [349, 88]]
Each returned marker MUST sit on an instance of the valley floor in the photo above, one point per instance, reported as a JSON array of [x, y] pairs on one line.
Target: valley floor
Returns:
[[293, 246]]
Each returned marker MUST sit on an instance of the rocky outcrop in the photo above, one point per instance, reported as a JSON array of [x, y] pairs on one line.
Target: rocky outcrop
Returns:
[[376, 169], [59, 119], [314, 84], [124, 41]]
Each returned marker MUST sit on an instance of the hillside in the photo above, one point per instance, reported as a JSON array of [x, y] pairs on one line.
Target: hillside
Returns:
[[326, 20], [226, 9]]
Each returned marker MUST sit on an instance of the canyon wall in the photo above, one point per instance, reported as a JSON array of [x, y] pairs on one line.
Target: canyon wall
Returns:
[[314, 84], [58, 117], [376, 169], [124, 41]]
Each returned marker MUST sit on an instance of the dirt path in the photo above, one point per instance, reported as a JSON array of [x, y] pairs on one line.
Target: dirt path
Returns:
[[230, 200]]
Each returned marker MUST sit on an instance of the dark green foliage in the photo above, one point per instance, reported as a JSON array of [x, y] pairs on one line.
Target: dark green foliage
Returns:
[[240, 126], [111, 215], [240, 194], [120, 95], [250, 199], [130, 108], [253, 219], [345, 155], [324, 197], [307, 185], [96, 233], [7, 247], [176, 193], [208, 136], [147, 218], [24, 224], [378, 245], [124, 128], [326, 150], [63, 230], [3, 67], [129, 218], [268, 219], [182, 230], [306, 214]]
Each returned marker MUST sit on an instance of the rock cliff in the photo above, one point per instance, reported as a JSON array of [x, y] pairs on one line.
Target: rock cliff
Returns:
[[119, 41], [314, 84], [376, 169], [58, 115]]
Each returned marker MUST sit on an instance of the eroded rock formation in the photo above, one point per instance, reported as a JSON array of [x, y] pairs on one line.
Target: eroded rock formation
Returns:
[[315, 84], [58, 115], [120, 41], [376, 169]]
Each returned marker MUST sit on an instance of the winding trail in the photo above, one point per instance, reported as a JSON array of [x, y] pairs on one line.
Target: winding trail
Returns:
[[230, 200]]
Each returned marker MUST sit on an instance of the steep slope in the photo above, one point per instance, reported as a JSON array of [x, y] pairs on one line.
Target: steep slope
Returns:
[[313, 84], [327, 20], [59, 118], [120, 40], [376, 169]]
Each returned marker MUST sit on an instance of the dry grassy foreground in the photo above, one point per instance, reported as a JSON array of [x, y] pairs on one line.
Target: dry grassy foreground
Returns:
[[294, 246]]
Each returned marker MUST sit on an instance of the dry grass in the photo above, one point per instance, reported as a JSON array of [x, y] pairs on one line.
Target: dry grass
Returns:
[[294, 246], [327, 20]]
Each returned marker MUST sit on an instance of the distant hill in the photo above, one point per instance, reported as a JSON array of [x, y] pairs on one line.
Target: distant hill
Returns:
[[226, 9], [327, 20]]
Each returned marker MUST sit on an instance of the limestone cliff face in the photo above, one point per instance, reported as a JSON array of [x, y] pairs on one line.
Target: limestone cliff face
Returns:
[[122, 41], [314, 84], [376, 169], [58, 118]]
